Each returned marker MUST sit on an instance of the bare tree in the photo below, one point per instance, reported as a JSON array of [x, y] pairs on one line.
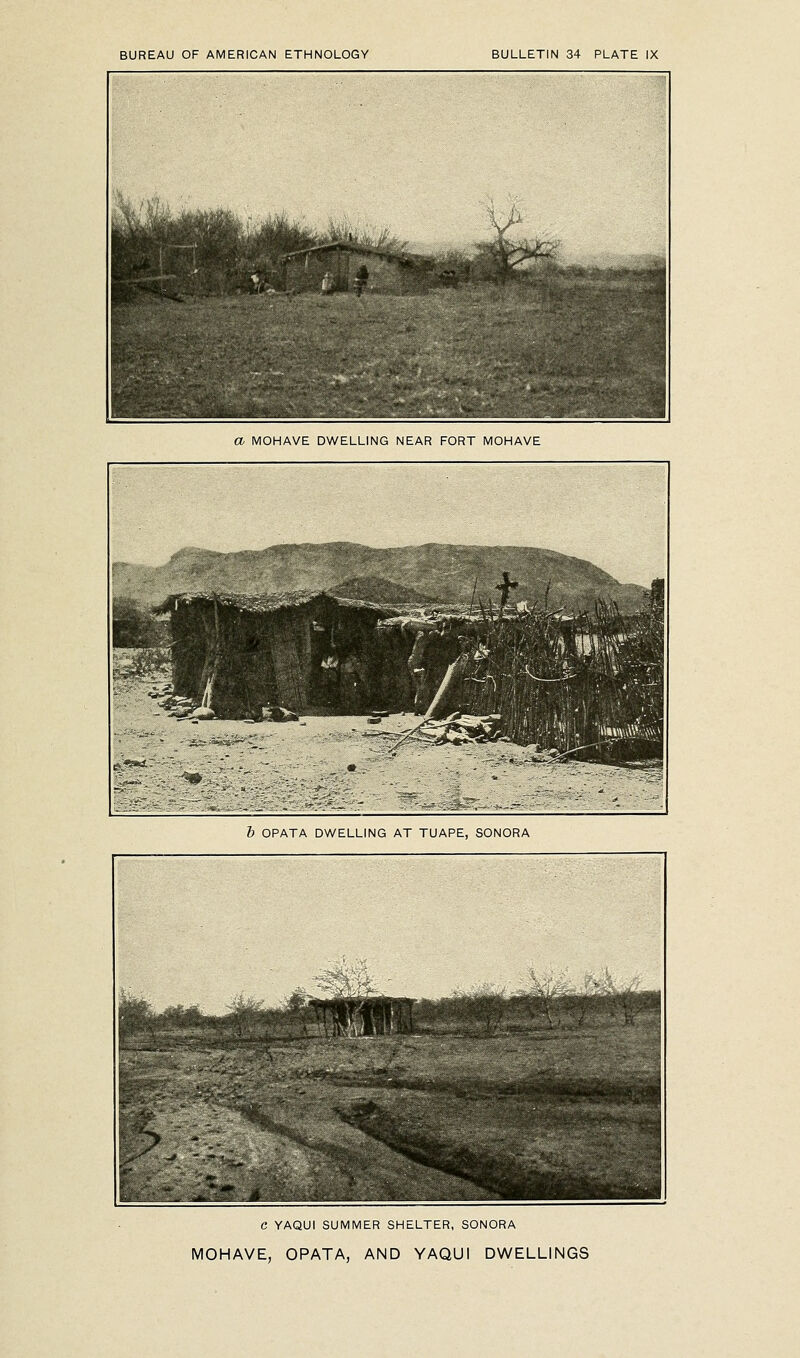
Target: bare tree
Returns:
[[350, 982], [625, 994], [544, 988], [583, 998], [507, 249], [364, 232], [245, 1010], [344, 979]]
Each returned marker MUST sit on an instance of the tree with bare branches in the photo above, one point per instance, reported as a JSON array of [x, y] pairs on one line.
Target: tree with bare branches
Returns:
[[344, 979], [543, 989], [352, 983], [582, 999], [361, 231], [625, 994], [508, 250]]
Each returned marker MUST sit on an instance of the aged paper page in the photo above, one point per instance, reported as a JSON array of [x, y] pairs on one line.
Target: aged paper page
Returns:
[[359, 1029]]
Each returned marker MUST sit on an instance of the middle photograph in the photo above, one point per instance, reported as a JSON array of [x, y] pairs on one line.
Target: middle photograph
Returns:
[[388, 638]]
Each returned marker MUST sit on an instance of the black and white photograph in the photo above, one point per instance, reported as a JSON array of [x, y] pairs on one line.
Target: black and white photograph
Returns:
[[501, 1040], [369, 638], [388, 245]]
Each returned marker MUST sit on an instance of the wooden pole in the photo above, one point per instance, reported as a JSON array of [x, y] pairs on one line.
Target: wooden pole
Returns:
[[454, 672]]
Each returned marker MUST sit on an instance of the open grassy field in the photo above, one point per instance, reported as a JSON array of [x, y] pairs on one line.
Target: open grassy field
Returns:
[[595, 351], [531, 1113]]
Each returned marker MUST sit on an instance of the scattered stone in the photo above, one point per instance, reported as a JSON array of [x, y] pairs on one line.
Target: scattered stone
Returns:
[[351, 768], [373, 721], [204, 714], [135, 763], [192, 775]]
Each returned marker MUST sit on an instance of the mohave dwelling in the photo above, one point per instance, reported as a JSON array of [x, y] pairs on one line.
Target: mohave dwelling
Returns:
[[389, 270], [590, 684]]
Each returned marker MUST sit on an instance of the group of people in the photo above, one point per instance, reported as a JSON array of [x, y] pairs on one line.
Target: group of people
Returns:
[[359, 282]]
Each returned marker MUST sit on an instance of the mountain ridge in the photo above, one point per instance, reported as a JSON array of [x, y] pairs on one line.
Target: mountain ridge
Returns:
[[434, 571]]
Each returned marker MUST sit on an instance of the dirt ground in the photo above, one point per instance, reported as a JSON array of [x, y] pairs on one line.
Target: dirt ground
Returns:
[[420, 1118], [302, 767]]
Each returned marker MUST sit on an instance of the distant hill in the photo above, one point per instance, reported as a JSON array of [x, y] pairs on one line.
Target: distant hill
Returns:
[[378, 590], [434, 572]]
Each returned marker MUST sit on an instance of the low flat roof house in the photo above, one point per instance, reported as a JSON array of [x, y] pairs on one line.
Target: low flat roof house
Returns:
[[390, 271]]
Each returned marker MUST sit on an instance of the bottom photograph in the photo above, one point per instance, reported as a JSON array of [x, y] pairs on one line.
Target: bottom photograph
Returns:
[[389, 1028]]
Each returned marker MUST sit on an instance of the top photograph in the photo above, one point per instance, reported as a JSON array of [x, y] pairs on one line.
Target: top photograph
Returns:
[[388, 245]]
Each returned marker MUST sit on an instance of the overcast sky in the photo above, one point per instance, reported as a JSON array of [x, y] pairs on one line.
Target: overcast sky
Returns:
[[612, 514], [418, 152], [199, 930]]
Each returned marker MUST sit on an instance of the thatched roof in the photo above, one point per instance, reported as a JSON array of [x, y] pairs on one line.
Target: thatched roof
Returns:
[[355, 247], [269, 603], [432, 620]]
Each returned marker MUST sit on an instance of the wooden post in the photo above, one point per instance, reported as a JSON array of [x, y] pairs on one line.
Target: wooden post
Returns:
[[161, 267]]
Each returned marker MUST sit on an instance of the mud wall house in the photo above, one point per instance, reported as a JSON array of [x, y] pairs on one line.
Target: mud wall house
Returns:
[[364, 1015], [239, 653], [389, 271]]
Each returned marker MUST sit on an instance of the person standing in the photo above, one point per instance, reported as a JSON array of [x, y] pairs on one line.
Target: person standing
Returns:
[[361, 279]]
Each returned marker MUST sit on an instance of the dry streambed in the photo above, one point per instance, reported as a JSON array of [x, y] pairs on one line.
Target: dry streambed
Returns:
[[197, 1127]]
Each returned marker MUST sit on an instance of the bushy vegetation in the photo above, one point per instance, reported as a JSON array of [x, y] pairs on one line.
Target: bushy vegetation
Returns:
[[134, 625], [228, 248], [547, 1001]]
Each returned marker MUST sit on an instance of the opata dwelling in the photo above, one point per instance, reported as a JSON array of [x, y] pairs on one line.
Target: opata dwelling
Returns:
[[389, 271], [311, 652]]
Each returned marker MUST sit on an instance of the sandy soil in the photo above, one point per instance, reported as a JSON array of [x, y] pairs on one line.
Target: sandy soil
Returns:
[[302, 767], [425, 1119]]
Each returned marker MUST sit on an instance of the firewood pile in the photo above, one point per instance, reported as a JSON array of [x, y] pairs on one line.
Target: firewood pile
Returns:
[[460, 728]]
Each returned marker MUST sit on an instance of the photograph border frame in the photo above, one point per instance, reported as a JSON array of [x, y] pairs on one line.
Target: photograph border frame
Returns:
[[324, 1205], [359, 420], [369, 462]]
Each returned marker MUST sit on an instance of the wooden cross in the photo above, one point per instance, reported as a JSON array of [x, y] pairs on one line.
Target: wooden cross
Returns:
[[504, 587]]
